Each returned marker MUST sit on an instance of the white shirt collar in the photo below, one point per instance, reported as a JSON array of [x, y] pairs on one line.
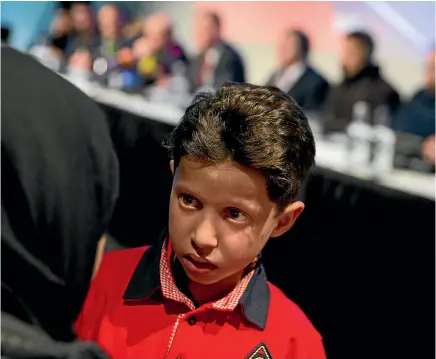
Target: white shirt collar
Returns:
[[288, 77]]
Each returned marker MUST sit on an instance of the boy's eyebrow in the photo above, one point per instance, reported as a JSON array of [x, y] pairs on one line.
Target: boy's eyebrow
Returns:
[[251, 205]]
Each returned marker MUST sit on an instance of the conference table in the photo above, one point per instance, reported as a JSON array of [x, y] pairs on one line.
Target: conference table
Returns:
[[359, 261]]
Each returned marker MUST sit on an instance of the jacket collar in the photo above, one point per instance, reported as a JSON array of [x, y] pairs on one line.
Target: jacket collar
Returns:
[[145, 281], [370, 71]]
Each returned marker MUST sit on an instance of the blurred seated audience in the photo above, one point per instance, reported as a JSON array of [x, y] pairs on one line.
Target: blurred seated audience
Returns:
[[217, 61], [294, 74], [362, 83], [154, 57], [417, 117], [162, 54], [84, 32]]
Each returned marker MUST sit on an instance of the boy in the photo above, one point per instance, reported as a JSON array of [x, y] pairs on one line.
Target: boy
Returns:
[[238, 158]]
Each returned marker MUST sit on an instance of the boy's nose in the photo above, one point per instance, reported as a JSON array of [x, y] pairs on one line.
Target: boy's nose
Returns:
[[204, 238]]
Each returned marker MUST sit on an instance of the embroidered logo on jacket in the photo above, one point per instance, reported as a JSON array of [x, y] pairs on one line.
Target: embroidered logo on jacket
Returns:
[[260, 352]]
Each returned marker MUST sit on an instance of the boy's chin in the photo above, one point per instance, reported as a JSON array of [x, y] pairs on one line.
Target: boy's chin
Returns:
[[202, 279], [213, 278]]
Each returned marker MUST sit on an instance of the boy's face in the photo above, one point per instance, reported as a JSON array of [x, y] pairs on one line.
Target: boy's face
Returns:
[[220, 218]]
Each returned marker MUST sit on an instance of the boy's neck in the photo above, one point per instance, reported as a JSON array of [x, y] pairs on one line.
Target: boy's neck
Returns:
[[200, 293]]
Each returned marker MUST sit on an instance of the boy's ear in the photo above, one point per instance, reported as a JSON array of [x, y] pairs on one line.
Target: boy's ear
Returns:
[[172, 166], [287, 219]]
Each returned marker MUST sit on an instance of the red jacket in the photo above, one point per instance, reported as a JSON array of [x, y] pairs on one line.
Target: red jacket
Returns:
[[134, 312]]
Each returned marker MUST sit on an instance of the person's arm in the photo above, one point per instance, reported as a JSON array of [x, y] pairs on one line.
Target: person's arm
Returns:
[[320, 92]]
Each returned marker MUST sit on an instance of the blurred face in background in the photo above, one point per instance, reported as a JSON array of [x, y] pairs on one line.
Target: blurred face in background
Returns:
[[81, 17], [430, 72], [157, 31], [108, 22], [207, 32], [80, 65], [288, 50], [353, 57], [61, 24]]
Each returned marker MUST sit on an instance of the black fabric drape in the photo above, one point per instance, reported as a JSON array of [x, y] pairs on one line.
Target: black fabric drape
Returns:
[[360, 263], [145, 178]]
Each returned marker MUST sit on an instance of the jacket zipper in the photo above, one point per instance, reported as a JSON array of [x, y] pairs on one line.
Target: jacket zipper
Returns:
[[173, 334]]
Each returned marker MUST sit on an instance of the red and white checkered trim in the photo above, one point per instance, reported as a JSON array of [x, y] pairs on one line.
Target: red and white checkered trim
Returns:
[[171, 292]]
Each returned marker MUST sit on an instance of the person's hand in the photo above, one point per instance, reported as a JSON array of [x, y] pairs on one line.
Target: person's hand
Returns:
[[428, 149]]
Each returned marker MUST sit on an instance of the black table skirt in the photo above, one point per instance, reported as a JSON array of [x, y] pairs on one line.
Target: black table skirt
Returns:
[[359, 261]]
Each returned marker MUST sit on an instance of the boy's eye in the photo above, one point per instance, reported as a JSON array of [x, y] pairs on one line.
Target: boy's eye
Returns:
[[188, 201], [236, 215]]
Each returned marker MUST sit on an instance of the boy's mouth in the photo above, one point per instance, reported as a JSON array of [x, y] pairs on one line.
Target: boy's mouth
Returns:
[[197, 266]]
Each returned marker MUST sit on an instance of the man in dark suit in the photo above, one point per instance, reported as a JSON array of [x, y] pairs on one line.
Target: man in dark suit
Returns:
[[217, 62], [295, 76], [362, 82]]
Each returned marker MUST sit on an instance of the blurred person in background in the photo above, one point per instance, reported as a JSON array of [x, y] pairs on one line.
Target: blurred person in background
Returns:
[[110, 41], [59, 188], [84, 32], [294, 74], [79, 66], [417, 117], [163, 55], [155, 56], [109, 27], [51, 49], [61, 28], [362, 82], [217, 61]]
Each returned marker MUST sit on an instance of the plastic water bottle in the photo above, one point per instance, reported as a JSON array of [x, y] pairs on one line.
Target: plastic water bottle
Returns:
[[179, 85], [384, 139], [359, 133]]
